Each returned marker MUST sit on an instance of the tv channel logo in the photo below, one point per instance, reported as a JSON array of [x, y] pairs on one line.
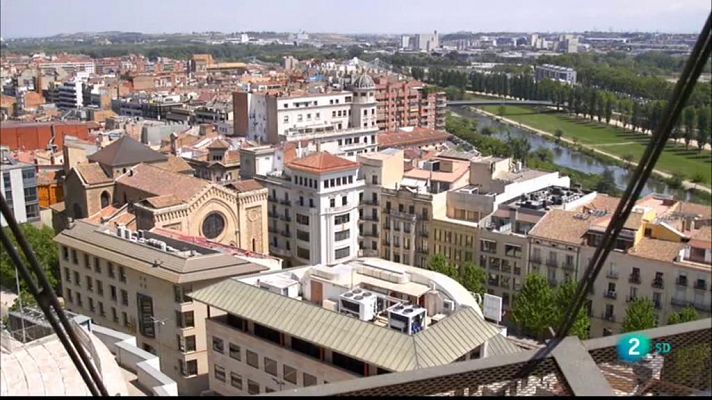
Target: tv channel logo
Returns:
[[633, 348]]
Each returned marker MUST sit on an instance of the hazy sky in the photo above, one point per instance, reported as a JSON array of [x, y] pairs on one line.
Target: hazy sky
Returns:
[[22, 18]]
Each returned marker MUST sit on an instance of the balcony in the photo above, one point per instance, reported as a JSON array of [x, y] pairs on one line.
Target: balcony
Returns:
[[612, 274], [610, 294], [285, 202], [271, 199], [285, 218], [370, 234], [272, 214], [517, 271], [279, 252], [272, 229], [422, 251], [535, 260], [681, 282], [552, 263], [371, 202], [608, 317], [423, 234], [568, 267], [657, 283], [386, 242], [629, 299], [506, 268], [700, 285], [285, 233], [634, 278]]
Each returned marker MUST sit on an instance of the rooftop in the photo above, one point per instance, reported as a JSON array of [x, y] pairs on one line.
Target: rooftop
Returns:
[[157, 181], [441, 342], [126, 151], [416, 136], [322, 163]]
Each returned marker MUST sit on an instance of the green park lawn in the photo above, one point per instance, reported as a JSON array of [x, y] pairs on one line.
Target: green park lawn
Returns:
[[615, 140]]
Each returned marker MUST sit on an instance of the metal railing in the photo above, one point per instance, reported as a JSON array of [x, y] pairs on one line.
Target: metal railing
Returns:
[[574, 368]]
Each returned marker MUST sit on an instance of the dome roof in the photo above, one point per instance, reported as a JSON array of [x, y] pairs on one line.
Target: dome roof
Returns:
[[364, 81]]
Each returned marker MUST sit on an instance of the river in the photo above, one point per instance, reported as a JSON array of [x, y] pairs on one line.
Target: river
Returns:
[[569, 158]]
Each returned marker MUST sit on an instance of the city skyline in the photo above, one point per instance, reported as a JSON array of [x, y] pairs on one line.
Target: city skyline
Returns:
[[365, 17]]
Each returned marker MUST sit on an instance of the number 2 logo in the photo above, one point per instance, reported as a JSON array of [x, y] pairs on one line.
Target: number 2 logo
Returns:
[[633, 349]]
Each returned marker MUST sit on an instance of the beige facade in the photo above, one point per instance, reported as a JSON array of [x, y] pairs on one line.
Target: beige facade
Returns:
[[112, 280], [382, 169]]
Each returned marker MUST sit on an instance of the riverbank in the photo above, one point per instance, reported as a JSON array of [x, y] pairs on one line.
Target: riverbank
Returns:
[[589, 149]]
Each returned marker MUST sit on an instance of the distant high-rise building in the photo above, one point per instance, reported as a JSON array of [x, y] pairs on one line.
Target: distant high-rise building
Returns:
[[405, 42], [426, 41], [555, 72]]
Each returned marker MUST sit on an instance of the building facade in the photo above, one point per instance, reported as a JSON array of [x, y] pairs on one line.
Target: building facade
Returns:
[[19, 187], [404, 103]]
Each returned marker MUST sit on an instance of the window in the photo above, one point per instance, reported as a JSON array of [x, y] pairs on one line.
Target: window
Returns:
[[302, 253], [101, 309], [76, 279], [302, 235], [124, 297], [79, 300], [125, 318], [90, 283], [111, 270], [235, 352], [343, 235], [65, 253], [146, 324], [113, 292], [488, 246], [341, 253], [252, 359], [190, 343], [213, 225], [309, 380], [179, 294], [236, 380], [75, 260], [97, 265], [219, 373], [512, 250], [253, 387], [341, 219], [344, 200], [188, 368], [91, 304], [218, 345], [270, 366], [67, 275], [302, 219], [181, 344], [114, 315], [290, 374], [86, 261], [185, 319], [332, 203], [122, 274]]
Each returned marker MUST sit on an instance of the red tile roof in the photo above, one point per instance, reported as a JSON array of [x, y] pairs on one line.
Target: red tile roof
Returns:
[[322, 163], [247, 185], [417, 137], [159, 182]]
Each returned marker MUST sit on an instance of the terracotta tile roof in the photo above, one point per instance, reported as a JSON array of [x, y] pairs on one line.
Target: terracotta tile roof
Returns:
[[92, 173], [561, 226], [656, 249], [417, 137], [175, 164], [45, 178], [602, 202], [247, 185], [705, 212], [322, 163], [702, 238], [232, 157], [218, 144], [163, 201], [126, 151], [159, 182]]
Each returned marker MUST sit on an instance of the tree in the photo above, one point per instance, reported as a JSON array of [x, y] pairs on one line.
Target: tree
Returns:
[[558, 134], [473, 278], [501, 110], [689, 116], [520, 147], [533, 308], [640, 315], [40, 239], [607, 182], [439, 263], [608, 112], [628, 158], [703, 126], [686, 315], [563, 297]]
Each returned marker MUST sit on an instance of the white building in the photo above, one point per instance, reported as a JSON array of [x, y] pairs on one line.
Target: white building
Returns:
[[318, 324], [19, 187], [426, 41], [313, 204], [71, 95], [342, 123]]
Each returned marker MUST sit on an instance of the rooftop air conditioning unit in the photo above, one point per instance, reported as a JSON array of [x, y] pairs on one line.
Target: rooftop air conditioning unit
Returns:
[[407, 319], [359, 303], [449, 306]]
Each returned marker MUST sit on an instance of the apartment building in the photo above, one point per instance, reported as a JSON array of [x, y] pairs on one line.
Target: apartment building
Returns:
[[404, 103], [383, 169], [663, 253], [343, 122], [136, 281], [555, 72], [19, 187], [373, 317], [70, 95], [313, 203]]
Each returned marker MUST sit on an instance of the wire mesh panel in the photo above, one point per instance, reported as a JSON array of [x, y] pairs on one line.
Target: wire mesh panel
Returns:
[[545, 379], [679, 365]]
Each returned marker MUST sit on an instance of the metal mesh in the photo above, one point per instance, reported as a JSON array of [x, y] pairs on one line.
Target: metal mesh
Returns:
[[546, 379], [685, 371]]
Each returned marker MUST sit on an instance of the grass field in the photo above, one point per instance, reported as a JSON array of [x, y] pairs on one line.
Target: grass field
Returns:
[[615, 140]]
